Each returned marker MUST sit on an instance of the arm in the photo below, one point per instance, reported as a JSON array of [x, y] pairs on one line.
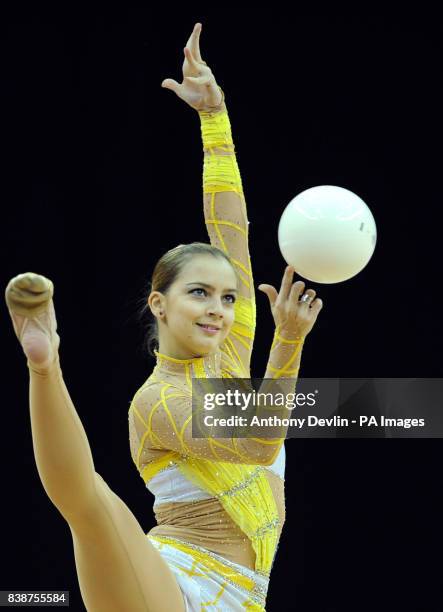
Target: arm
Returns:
[[227, 224], [162, 414], [160, 417], [294, 319], [224, 204]]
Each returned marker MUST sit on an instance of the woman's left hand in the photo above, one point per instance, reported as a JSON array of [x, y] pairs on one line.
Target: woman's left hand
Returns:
[[199, 88]]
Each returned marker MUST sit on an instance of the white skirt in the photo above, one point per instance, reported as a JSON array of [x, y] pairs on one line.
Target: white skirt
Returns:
[[218, 585]]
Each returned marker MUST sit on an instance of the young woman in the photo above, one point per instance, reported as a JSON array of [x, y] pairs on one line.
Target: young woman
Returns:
[[219, 502]]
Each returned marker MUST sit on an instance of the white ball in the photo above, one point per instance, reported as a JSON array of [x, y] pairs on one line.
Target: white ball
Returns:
[[327, 234]]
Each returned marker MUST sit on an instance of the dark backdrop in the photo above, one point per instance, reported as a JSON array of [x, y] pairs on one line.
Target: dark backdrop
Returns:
[[102, 174]]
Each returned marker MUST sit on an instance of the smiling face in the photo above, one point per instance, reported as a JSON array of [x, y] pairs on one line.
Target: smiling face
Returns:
[[203, 294]]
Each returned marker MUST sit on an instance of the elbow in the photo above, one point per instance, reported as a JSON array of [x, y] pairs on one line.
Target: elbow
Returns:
[[259, 453], [269, 458]]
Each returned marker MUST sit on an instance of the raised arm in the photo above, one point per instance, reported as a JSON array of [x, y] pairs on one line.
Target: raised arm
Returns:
[[228, 228], [224, 202], [227, 224]]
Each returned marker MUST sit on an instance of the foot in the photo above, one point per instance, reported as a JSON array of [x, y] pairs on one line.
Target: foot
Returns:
[[29, 300]]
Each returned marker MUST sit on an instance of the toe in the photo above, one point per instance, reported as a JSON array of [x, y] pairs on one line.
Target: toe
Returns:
[[28, 294], [29, 281]]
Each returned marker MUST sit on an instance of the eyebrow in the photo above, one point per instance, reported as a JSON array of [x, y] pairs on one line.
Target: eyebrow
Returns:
[[209, 286]]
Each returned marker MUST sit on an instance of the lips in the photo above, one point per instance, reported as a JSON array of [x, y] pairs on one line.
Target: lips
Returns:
[[210, 327]]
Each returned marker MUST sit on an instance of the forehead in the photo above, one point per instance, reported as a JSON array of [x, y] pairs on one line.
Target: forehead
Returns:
[[210, 270]]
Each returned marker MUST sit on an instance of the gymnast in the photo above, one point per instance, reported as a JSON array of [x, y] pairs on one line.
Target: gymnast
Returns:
[[219, 502]]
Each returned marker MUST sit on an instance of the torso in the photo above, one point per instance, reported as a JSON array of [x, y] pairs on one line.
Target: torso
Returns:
[[198, 518], [205, 523]]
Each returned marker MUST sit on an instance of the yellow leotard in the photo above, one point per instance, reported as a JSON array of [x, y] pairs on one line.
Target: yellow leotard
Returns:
[[237, 508]]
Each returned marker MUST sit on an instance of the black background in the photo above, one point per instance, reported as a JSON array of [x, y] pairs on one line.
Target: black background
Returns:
[[102, 174]]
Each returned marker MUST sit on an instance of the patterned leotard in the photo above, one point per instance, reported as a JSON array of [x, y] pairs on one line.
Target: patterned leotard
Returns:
[[220, 502]]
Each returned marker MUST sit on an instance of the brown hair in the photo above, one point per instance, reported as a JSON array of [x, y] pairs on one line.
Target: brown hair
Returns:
[[166, 271]]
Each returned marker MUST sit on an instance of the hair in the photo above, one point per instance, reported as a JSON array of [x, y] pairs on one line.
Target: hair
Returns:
[[166, 271]]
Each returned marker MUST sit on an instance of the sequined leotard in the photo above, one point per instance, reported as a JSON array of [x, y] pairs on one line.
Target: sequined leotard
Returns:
[[219, 501]]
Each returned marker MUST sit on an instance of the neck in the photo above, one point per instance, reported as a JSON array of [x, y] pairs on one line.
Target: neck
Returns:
[[203, 366], [180, 354]]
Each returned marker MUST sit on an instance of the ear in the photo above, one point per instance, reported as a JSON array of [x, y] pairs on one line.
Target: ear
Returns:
[[157, 303]]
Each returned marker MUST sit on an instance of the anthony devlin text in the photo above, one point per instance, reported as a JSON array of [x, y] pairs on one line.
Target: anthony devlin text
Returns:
[[311, 421]]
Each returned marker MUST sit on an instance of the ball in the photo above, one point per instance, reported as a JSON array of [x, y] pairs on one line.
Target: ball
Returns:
[[327, 234]]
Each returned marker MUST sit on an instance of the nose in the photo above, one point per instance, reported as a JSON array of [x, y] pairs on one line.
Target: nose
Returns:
[[215, 308]]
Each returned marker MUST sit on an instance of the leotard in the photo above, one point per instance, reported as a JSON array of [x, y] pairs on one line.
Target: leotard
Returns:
[[219, 503]]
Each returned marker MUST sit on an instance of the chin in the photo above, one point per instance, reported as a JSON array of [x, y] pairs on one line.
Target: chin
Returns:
[[207, 349]]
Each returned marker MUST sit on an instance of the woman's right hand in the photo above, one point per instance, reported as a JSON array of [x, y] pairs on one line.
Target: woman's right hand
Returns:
[[199, 88], [292, 317]]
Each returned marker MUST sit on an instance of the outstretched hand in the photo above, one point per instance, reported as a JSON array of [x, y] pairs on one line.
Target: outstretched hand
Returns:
[[294, 317], [199, 88]]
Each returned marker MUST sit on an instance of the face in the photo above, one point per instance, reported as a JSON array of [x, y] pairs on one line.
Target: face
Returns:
[[203, 294]]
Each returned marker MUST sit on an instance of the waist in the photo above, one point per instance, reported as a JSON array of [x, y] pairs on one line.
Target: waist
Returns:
[[205, 524]]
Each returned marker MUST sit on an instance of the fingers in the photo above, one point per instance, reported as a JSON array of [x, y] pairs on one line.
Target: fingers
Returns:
[[291, 292], [193, 43], [306, 298], [317, 305], [171, 84], [270, 291], [287, 307], [296, 291], [192, 60], [287, 289], [308, 304], [286, 284], [312, 305]]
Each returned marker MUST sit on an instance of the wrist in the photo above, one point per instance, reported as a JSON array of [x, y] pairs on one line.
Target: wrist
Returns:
[[213, 110], [219, 108], [215, 128], [288, 335]]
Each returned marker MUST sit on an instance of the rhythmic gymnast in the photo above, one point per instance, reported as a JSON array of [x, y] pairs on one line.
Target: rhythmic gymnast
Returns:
[[219, 502]]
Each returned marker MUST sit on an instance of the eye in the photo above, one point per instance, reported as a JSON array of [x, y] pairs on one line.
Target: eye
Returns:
[[198, 289], [229, 295]]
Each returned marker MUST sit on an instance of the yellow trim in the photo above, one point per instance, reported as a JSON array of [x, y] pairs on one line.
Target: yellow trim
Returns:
[[209, 562], [212, 188], [296, 340], [153, 468], [229, 223], [173, 359], [250, 503]]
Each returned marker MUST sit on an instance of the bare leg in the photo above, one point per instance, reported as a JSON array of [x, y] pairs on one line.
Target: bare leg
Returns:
[[61, 448], [117, 566]]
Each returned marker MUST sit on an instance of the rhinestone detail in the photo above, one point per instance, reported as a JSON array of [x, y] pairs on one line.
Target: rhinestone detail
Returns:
[[268, 527], [258, 593], [242, 485]]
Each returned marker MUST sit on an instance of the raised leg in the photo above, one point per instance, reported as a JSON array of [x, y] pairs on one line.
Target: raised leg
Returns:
[[118, 568], [61, 448]]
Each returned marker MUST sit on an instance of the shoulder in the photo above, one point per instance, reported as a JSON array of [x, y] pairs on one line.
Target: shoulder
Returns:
[[154, 393]]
